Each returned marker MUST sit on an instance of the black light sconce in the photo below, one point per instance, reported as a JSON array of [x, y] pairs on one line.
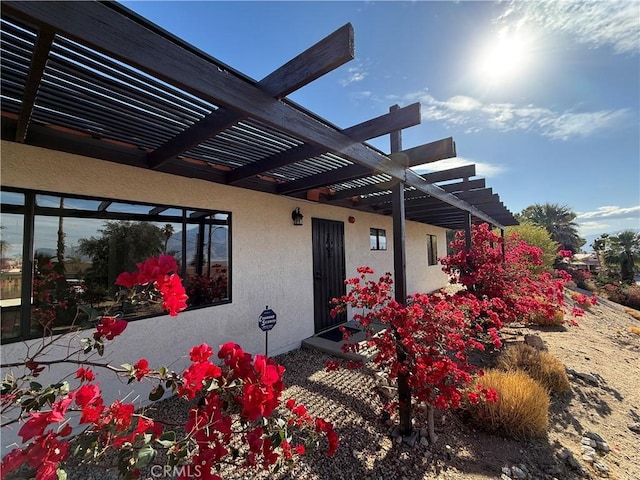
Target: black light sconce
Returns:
[[297, 216]]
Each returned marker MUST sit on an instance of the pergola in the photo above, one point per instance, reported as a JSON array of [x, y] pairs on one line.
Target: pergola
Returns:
[[96, 79]]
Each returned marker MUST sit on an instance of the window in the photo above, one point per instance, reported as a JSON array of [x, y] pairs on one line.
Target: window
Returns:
[[377, 239], [432, 250], [75, 247]]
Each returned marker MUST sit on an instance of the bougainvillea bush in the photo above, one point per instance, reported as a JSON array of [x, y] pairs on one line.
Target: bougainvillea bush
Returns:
[[429, 337], [426, 344], [236, 399], [512, 277]]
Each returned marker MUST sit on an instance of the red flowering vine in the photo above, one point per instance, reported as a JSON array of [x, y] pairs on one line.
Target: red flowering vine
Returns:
[[239, 396]]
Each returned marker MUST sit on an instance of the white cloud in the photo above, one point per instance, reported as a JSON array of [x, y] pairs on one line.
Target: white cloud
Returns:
[[609, 219], [355, 74], [608, 212], [593, 23], [475, 116]]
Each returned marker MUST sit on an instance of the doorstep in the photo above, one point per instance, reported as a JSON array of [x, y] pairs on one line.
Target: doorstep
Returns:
[[335, 348]]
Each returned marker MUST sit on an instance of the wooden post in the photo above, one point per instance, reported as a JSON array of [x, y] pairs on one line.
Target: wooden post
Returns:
[[400, 283]]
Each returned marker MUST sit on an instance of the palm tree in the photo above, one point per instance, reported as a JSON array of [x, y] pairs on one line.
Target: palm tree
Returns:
[[623, 248], [559, 222], [167, 231]]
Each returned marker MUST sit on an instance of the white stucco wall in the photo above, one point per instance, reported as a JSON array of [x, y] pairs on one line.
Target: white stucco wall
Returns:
[[271, 258]]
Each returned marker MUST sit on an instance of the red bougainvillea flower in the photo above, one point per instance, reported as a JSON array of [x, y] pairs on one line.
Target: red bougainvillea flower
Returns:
[[109, 327], [162, 272], [85, 375], [269, 372], [196, 376], [322, 426], [141, 368], [200, 353], [143, 425], [174, 297], [119, 415], [237, 360]]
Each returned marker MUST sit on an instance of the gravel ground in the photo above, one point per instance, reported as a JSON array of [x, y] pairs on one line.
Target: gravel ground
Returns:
[[602, 347]]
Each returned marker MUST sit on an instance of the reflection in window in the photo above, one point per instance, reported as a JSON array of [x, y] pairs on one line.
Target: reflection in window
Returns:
[[377, 239], [11, 235], [432, 250], [81, 245]]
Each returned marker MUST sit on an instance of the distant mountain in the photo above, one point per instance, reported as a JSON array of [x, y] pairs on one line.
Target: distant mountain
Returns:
[[219, 243]]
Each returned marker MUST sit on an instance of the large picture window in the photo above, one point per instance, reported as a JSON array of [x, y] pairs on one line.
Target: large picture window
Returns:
[[60, 256]]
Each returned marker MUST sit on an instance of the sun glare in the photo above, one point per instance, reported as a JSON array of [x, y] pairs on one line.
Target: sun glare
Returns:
[[503, 60]]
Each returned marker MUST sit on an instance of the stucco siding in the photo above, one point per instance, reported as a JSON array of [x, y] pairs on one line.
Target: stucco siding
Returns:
[[271, 258]]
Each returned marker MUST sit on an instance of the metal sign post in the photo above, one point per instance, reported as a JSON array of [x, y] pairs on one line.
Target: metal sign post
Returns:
[[266, 322]]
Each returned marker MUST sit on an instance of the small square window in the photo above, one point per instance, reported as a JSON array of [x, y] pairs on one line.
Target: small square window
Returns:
[[377, 239], [432, 250]]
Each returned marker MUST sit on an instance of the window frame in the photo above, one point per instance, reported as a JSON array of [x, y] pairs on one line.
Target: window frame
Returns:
[[190, 217], [432, 250], [377, 233]]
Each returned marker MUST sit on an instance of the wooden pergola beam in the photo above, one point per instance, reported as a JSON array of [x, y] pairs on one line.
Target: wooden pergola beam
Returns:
[[430, 152], [450, 188], [382, 125], [326, 55], [42, 47]]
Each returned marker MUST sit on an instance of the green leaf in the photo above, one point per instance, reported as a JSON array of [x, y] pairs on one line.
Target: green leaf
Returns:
[[61, 474], [35, 386], [127, 366], [162, 371], [145, 456], [156, 393], [167, 439]]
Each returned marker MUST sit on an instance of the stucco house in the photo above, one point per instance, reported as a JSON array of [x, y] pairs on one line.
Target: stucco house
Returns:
[[108, 121]]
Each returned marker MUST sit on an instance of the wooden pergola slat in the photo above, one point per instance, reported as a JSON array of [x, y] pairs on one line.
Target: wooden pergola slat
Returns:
[[107, 30], [331, 52], [133, 44], [384, 124]]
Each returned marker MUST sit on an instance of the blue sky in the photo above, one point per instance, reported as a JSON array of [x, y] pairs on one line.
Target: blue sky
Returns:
[[543, 97]]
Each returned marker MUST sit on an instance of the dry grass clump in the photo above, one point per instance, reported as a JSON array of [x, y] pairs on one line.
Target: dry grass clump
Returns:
[[522, 409], [541, 320], [635, 330], [541, 366], [634, 313]]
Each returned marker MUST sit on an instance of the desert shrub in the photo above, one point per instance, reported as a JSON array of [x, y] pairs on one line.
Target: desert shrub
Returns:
[[627, 295], [544, 321], [584, 301], [541, 366], [522, 409]]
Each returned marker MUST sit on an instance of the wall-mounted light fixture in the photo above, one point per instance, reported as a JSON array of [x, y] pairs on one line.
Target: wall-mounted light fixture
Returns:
[[297, 216]]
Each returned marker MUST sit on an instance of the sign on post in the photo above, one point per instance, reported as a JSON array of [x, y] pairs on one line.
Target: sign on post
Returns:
[[266, 322], [267, 319]]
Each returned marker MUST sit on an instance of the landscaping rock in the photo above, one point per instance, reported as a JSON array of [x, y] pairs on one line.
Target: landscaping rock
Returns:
[[601, 468], [535, 341], [518, 474], [634, 427]]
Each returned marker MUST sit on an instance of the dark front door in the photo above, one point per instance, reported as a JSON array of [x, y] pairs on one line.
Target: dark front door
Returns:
[[328, 271]]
